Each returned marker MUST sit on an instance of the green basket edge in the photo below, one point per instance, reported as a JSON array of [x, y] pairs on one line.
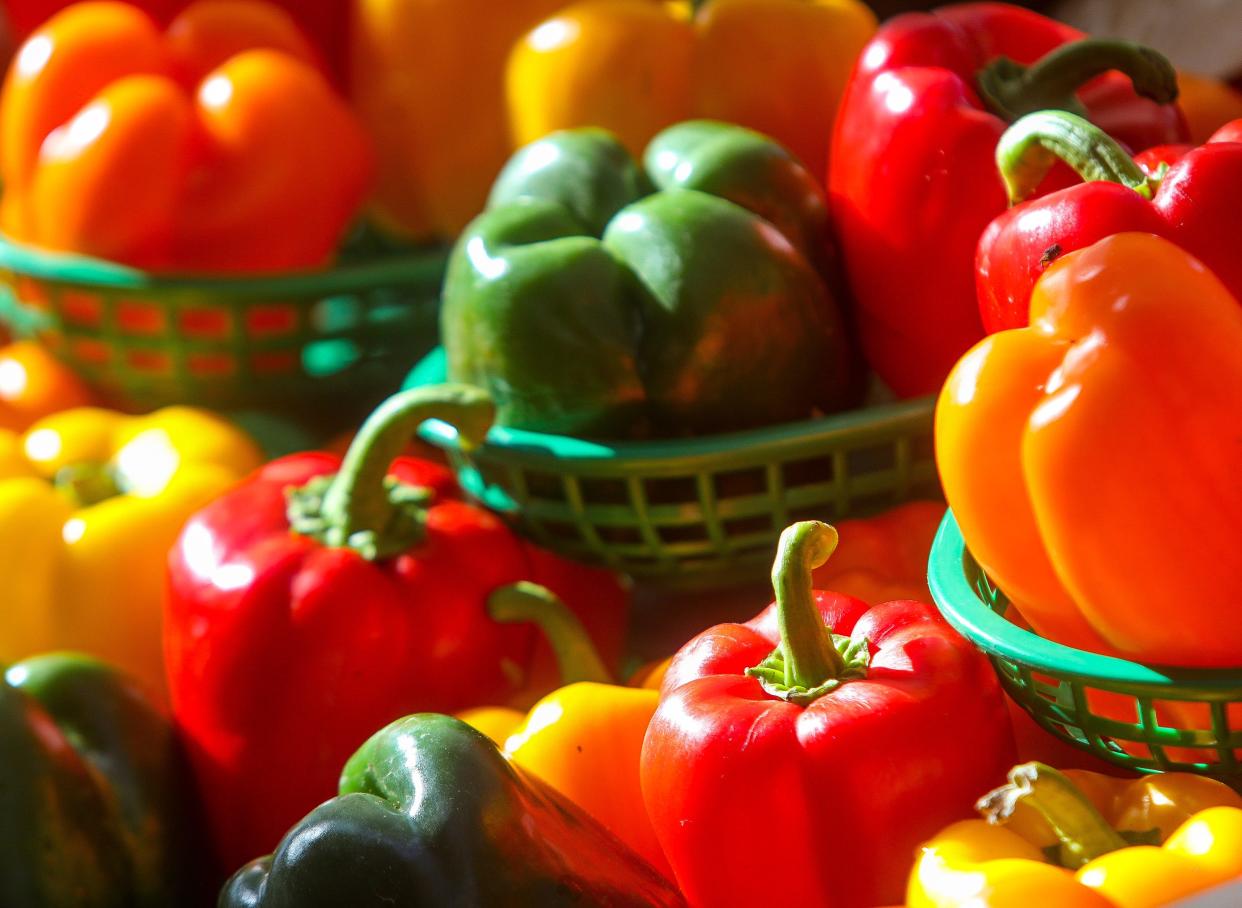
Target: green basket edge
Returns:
[[991, 632], [416, 266]]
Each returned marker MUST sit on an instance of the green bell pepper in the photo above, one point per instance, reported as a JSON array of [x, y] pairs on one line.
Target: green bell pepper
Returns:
[[600, 299], [431, 813], [95, 810]]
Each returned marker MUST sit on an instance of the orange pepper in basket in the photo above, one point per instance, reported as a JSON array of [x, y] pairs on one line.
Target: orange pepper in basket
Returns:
[[217, 145], [34, 384]]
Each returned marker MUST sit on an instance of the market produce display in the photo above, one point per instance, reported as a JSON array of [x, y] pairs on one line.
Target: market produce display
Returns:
[[937, 320]]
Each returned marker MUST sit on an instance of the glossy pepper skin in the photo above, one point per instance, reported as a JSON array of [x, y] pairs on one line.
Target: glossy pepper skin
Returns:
[[587, 304], [635, 68], [585, 738], [1118, 843], [912, 182], [96, 810], [34, 384], [427, 79], [216, 145], [1063, 476], [90, 500], [1191, 201], [320, 587], [853, 748], [431, 813]]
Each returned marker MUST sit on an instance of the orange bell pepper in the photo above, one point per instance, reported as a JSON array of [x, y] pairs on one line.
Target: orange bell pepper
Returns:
[[884, 558], [217, 145], [586, 738], [1208, 105], [427, 78], [635, 67], [1092, 458], [34, 384]]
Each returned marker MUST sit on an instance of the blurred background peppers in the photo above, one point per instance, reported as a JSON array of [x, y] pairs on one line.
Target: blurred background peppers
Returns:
[[801, 756], [1091, 459], [635, 67], [89, 499], [912, 180], [587, 304], [96, 807], [217, 145], [323, 598], [34, 384], [1187, 195]]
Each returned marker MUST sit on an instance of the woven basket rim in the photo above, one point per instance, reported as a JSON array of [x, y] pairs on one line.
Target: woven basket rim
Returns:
[[991, 632]]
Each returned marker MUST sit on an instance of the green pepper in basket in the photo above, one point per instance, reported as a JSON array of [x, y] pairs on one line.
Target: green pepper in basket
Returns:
[[598, 298], [431, 813]]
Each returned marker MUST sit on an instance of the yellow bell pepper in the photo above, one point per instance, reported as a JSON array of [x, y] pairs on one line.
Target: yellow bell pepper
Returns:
[[635, 67], [1091, 823], [584, 739], [90, 503], [427, 78]]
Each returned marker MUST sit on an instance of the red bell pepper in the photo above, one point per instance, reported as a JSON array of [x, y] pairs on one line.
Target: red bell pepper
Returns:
[[322, 599], [912, 180], [808, 774], [1190, 196]]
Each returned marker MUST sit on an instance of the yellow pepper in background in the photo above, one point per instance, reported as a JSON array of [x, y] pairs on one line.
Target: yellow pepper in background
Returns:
[[427, 78], [584, 739], [1091, 823], [90, 503], [636, 66]]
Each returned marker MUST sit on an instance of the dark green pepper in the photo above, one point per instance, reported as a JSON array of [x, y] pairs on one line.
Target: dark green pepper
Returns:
[[431, 813], [95, 810], [598, 299]]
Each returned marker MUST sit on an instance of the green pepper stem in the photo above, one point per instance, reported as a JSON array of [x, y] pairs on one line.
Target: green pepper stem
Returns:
[[810, 657], [86, 484], [576, 658], [1012, 90], [1028, 149], [359, 508], [1083, 833]]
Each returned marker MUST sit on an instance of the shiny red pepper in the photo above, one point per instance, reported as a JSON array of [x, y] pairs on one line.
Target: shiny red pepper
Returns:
[[1190, 196], [808, 774], [320, 600], [912, 178]]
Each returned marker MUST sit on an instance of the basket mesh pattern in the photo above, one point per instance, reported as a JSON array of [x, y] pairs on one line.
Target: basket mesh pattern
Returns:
[[1143, 718], [345, 335], [684, 512]]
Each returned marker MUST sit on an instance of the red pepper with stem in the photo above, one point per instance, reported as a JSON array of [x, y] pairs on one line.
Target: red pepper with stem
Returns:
[[912, 180], [802, 757], [1190, 196], [321, 599]]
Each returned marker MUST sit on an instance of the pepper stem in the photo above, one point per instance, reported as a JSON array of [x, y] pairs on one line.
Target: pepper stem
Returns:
[[1084, 834], [1028, 149], [1011, 90], [811, 660], [359, 507], [576, 658]]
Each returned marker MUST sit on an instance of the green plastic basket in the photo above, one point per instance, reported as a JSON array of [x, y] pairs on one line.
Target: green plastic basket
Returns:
[[1056, 684], [326, 346], [701, 512]]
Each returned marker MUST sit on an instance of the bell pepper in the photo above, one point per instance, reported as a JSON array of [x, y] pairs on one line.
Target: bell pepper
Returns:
[[90, 500], [884, 557], [96, 807], [587, 305], [427, 79], [585, 738], [788, 761], [342, 590], [912, 181], [1063, 447], [635, 67], [431, 813], [1100, 843], [1207, 103], [217, 145], [34, 384], [1186, 195]]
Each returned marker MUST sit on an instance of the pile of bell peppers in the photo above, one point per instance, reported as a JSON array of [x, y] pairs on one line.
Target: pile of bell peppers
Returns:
[[378, 685]]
